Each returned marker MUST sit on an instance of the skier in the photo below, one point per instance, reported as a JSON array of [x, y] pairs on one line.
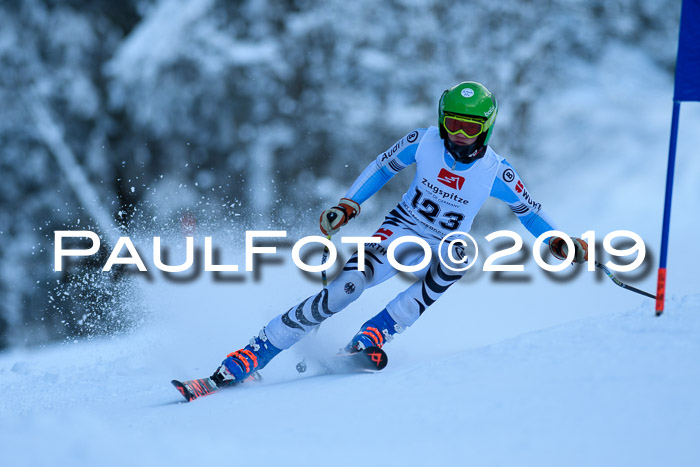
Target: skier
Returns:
[[456, 170]]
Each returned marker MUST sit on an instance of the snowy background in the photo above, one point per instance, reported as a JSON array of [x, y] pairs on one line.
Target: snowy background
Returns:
[[177, 118]]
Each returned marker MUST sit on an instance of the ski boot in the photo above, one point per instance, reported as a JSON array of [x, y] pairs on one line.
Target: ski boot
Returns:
[[243, 364], [374, 333]]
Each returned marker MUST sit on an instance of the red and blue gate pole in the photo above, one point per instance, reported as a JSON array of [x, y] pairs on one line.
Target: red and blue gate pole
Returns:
[[686, 88], [661, 282]]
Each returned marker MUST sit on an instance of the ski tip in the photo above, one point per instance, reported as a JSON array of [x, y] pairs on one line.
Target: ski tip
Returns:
[[182, 389], [376, 357]]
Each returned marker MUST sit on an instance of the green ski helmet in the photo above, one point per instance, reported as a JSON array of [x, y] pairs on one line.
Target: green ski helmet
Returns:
[[471, 101]]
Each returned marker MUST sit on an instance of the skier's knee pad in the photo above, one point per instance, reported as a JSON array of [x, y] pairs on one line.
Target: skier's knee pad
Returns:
[[345, 289]]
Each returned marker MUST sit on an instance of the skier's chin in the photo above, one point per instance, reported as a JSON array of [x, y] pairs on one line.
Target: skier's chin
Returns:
[[462, 141]]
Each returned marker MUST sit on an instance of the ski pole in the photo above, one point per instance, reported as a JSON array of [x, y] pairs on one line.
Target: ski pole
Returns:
[[324, 258], [324, 277], [301, 366], [622, 284]]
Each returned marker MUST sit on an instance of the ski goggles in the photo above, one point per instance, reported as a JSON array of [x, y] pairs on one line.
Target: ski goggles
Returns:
[[468, 126]]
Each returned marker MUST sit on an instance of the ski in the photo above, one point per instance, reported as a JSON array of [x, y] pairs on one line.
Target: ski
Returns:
[[371, 359], [196, 388]]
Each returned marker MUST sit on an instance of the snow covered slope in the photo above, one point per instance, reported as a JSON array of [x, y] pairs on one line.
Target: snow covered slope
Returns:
[[618, 390]]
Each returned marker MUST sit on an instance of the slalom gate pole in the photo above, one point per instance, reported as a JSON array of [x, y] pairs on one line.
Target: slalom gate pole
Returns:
[[661, 281], [620, 283]]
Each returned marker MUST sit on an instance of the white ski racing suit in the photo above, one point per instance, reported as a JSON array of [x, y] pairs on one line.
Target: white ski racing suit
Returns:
[[444, 197]]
